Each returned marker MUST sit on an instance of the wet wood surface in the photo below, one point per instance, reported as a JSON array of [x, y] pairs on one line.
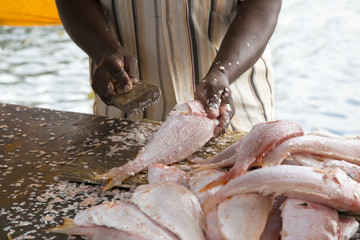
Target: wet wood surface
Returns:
[[41, 147], [35, 145]]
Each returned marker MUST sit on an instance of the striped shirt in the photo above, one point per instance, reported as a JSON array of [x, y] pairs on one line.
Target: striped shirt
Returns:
[[175, 42]]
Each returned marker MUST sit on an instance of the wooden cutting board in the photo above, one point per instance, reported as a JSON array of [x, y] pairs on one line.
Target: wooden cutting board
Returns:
[[39, 147]]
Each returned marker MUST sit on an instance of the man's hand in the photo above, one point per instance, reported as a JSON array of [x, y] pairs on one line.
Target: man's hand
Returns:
[[116, 69], [214, 92]]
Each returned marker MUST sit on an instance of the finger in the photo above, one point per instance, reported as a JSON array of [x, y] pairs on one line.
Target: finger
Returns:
[[213, 102], [103, 86], [123, 79], [131, 65], [117, 71], [227, 111]]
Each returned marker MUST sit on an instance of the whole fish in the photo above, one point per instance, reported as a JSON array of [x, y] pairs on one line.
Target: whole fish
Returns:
[[262, 138], [329, 187], [123, 216], [244, 216], [307, 220], [174, 207], [335, 148], [185, 131]]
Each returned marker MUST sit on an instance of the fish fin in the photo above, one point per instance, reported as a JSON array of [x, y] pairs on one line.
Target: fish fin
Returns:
[[115, 177], [222, 180], [259, 161], [204, 167]]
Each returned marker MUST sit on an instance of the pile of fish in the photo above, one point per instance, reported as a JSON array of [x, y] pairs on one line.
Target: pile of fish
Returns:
[[282, 184]]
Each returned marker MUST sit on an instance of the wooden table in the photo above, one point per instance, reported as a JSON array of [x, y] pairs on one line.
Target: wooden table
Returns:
[[37, 144]]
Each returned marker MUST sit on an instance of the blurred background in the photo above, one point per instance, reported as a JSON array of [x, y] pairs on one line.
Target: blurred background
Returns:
[[316, 62]]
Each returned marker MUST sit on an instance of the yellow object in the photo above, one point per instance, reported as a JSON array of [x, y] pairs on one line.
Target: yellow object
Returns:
[[28, 13]]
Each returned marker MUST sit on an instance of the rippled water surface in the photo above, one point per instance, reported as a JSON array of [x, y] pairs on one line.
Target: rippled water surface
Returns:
[[315, 54]]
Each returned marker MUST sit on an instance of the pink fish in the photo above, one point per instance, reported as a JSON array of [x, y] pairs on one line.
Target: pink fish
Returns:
[[261, 139], [122, 216], [185, 131], [331, 187], [336, 148], [174, 207], [307, 220]]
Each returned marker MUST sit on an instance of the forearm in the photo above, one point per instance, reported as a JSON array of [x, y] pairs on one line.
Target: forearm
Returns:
[[86, 25], [246, 38]]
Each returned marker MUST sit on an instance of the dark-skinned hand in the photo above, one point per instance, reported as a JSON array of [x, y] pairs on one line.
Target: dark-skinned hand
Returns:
[[214, 92], [115, 70]]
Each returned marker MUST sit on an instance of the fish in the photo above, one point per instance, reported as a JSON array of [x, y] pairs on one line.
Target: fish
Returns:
[[185, 131], [332, 187], [244, 216], [173, 206], [93, 232], [305, 220], [158, 172], [123, 216], [335, 148], [262, 138]]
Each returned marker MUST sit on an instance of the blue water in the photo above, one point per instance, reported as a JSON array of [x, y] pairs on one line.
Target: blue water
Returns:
[[316, 62]]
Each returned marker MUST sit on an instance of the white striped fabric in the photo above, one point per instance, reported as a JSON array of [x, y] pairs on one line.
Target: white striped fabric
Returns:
[[175, 42]]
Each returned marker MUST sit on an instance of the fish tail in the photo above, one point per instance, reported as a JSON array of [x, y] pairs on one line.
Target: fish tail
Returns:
[[110, 174], [110, 184], [224, 179], [117, 175], [68, 227]]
